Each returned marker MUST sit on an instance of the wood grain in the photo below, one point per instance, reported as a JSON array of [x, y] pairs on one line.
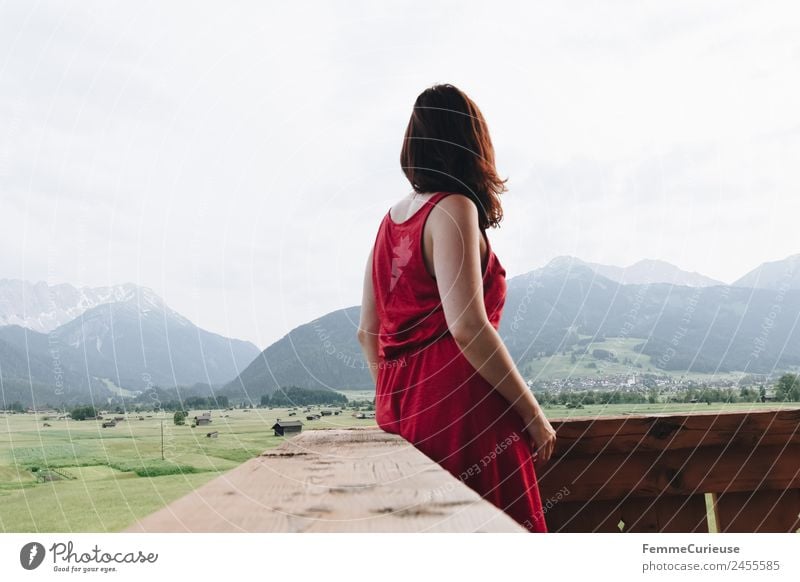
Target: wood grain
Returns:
[[636, 514], [664, 432], [759, 511], [344, 480], [682, 472]]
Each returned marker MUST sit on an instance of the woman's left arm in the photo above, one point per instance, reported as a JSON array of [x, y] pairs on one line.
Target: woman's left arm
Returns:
[[368, 326]]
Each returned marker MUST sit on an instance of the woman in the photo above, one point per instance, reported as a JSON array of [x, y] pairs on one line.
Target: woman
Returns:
[[433, 296]]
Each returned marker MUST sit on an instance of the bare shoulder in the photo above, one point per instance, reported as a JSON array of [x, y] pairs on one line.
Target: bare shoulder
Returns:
[[455, 210]]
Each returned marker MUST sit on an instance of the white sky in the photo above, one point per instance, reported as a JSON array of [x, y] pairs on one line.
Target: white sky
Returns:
[[237, 158]]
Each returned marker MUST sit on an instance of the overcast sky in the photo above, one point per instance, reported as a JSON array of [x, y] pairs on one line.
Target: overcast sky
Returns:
[[237, 158]]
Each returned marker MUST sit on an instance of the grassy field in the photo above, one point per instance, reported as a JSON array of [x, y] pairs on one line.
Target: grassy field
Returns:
[[560, 365], [560, 411], [103, 479], [107, 477]]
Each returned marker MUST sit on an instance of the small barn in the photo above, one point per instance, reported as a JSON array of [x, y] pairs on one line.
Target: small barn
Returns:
[[109, 424], [212, 435], [204, 418], [287, 427]]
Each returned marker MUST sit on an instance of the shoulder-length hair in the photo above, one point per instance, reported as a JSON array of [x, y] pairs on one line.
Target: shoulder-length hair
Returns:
[[447, 148]]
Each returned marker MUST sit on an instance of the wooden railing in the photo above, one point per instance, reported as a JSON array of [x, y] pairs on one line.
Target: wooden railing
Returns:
[[738, 472], [726, 472], [342, 480]]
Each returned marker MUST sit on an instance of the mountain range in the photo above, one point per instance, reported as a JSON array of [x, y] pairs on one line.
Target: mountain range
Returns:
[[706, 328], [120, 347], [42, 307], [649, 271], [61, 344]]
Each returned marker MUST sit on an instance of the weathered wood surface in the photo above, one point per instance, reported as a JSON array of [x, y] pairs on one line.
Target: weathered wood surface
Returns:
[[634, 514], [663, 432], [683, 472], [759, 511], [344, 480], [651, 472]]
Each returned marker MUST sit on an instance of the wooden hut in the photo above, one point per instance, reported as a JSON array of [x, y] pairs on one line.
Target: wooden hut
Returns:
[[287, 427]]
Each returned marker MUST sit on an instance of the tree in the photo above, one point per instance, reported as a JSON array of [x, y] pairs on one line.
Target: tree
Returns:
[[788, 388], [295, 396], [83, 412], [180, 417]]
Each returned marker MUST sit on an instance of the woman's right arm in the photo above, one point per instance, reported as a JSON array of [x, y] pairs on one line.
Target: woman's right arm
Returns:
[[455, 241]]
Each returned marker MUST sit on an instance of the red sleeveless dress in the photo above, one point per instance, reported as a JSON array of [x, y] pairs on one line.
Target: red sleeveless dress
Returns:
[[429, 393]]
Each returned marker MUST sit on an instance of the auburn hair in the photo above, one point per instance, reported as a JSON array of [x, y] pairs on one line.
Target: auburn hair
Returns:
[[447, 148]]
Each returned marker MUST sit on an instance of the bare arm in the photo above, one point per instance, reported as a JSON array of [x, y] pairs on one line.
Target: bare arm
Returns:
[[455, 249], [368, 326]]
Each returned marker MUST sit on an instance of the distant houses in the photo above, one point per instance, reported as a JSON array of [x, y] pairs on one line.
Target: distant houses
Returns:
[[203, 419], [287, 427]]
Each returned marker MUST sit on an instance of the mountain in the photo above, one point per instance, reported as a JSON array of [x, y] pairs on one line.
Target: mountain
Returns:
[[141, 341], [42, 307], [117, 348], [774, 275], [29, 374], [320, 354], [701, 329], [650, 271], [556, 308]]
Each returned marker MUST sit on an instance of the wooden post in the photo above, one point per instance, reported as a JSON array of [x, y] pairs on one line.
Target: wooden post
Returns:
[[713, 513]]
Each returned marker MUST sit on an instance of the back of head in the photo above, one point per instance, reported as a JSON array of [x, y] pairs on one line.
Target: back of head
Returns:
[[447, 148]]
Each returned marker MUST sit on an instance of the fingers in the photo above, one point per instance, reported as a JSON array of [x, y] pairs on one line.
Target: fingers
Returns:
[[549, 449], [543, 453]]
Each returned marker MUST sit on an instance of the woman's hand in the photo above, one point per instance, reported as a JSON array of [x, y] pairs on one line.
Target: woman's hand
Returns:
[[543, 438]]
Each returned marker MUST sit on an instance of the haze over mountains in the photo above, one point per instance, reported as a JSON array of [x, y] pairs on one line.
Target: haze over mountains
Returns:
[[704, 328], [66, 344], [653, 271], [777, 275], [129, 344], [42, 307]]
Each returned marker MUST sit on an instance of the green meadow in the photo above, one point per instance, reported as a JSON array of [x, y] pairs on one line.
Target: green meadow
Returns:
[[75, 476], [628, 362], [560, 411]]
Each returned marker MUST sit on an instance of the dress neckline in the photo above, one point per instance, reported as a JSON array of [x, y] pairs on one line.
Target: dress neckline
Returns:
[[416, 213], [490, 256]]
